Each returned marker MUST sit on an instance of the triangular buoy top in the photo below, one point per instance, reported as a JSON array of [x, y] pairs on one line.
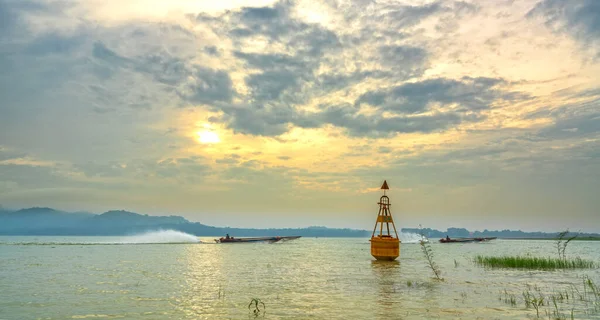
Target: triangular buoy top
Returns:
[[385, 186]]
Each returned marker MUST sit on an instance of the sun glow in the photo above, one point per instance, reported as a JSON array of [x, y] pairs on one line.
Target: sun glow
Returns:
[[208, 137]]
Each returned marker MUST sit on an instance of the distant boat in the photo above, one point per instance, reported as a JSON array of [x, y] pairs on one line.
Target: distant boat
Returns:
[[247, 240], [463, 240]]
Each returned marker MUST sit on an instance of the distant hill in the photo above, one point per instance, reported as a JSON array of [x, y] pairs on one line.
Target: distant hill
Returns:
[[48, 221], [39, 218], [130, 218]]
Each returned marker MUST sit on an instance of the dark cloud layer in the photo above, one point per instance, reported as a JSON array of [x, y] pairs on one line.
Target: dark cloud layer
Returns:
[[467, 98], [579, 18], [210, 86], [573, 126], [347, 117], [284, 81], [473, 94]]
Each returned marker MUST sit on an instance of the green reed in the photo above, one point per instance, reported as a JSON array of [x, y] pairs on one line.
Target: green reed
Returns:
[[520, 262], [221, 293], [428, 252], [561, 304], [509, 298], [256, 303], [562, 242]]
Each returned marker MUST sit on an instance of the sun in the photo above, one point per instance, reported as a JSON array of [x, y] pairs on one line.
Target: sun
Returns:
[[208, 137]]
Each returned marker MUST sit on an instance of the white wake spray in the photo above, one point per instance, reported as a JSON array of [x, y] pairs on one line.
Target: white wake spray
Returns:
[[410, 237], [160, 236]]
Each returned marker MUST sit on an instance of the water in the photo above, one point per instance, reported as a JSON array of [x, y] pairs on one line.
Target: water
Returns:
[[172, 277]]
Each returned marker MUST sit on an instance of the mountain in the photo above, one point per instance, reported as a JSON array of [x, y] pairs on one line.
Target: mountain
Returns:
[[39, 218], [47, 221], [131, 218]]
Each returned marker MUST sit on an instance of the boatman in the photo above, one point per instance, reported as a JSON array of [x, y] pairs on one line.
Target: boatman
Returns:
[[447, 238], [227, 236]]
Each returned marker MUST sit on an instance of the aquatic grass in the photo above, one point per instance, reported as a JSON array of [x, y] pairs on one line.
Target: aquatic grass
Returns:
[[592, 286], [560, 304], [520, 262], [591, 293], [257, 303], [509, 298], [556, 313], [221, 293], [428, 252], [512, 299], [561, 243]]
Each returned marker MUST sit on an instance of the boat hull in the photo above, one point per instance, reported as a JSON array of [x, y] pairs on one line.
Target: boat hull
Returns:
[[252, 240], [466, 240]]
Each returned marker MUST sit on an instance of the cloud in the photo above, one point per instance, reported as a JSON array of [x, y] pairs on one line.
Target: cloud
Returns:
[[31, 177], [278, 25], [450, 101], [579, 18], [571, 126], [469, 94], [13, 14], [109, 84], [270, 85], [256, 119], [207, 86], [272, 61], [6, 154], [186, 170], [285, 80], [402, 16], [467, 98], [7, 18], [347, 117], [394, 55]]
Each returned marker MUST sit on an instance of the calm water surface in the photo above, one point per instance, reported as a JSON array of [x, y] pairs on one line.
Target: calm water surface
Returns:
[[308, 278]]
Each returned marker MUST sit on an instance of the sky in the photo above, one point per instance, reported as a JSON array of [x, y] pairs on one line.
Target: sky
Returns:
[[479, 114]]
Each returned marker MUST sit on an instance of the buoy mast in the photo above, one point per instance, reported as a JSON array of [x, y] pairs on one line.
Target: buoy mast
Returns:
[[385, 245]]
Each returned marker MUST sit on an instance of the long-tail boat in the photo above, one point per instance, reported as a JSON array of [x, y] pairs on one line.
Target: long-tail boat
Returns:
[[463, 240], [247, 240]]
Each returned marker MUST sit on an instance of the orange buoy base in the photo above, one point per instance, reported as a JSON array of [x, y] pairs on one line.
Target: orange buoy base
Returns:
[[385, 248]]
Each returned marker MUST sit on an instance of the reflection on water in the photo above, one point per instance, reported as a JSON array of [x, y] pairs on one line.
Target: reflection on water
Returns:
[[205, 282], [387, 273], [305, 278]]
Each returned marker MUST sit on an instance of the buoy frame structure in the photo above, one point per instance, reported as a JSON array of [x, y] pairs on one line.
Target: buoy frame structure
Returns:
[[384, 244]]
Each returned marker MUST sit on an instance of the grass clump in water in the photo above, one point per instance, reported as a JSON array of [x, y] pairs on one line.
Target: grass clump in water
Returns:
[[559, 305], [428, 252], [562, 242], [519, 262], [256, 303]]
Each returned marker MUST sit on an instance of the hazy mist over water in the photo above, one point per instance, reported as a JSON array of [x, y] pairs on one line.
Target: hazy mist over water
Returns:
[[321, 278]]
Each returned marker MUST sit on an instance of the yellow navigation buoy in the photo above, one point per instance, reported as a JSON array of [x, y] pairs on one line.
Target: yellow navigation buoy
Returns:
[[385, 246]]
